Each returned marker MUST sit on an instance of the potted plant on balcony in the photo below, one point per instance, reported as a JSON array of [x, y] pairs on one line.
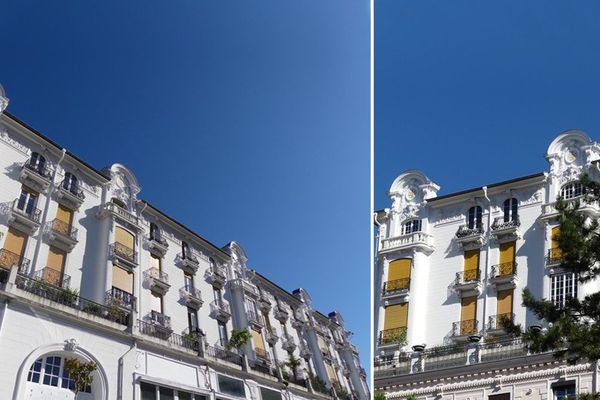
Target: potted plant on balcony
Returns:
[[293, 363], [81, 373], [67, 296], [238, 339]]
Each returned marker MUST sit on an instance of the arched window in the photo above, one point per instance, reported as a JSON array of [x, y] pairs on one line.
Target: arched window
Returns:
[[185, 250], [70, 183], [474, 217], [38, 162], [50, 371], [572, 190], [511, 210], [411, 226], [154, 232]]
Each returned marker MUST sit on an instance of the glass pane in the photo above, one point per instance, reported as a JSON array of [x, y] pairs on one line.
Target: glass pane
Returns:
[[231, 386], [148, 391], [184, 395], [267, 394], [166, 394]]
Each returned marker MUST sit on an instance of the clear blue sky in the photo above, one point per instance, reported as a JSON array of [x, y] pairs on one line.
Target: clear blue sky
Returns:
[[472, 92], [246, 120]]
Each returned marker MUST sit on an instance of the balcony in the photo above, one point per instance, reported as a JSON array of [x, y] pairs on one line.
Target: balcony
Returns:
[[504, 276], [220, 310], [462, 329], [398, 288], [420, 241], [467, 283], [157, 280], [271, 337], [35, 175], [188, 263], [191, 297], [120, 213], [299, 319], [255, 319], [305, 352], [248, 288], [8, 259], [470, 238], [24, 217], [120, 298], [53, 277], [216, 276], [549, 210], [392, 337], [62, 235], [158, 326], [262, 362], [265, 301], [554, 258], [281, 313], [157, 245], [70, 195], [223, 354], [506, 231], [498, 323], [123, 255], [288, 343]]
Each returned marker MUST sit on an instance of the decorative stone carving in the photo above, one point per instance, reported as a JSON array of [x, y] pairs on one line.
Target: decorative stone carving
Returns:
[[13, 143], [71, 344]]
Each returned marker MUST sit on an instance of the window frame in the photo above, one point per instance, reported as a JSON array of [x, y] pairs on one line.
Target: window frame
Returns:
[[56, 373], [474, 217], [511, 209]]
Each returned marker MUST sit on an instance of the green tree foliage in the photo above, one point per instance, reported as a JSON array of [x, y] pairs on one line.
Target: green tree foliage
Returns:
[[80, 372], [379, 396], [238, 339]]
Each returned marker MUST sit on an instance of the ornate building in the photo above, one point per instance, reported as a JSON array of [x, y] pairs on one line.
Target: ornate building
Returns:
[[449, 275], [88, 270]]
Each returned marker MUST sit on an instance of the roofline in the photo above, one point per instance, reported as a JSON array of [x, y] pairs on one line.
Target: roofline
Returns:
[[56, 145], [186, 228], [523, 178], [277, 286]]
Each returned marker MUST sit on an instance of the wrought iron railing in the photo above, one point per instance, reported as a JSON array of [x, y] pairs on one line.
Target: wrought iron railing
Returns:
[[124, 252], [444, 357], [188, 257], [71, 299], [296, 381], [500, 321], [156, 330], [466, 327], [72, 188], [397, 285], [160, 319], [64, 228], [392, 336], [504, 269], [27, 209], [53, 277], [38, 168], [223, 354], [120, 297], [503, 349], [157, 274], [555, 256], [466, 231], [500, 224], [470, 275], [8, 259]]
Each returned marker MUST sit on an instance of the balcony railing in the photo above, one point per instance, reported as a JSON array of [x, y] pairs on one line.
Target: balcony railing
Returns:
[[73, 189], [120, 212], [223, 354], [464, 231], [70, 299], [392, 336], [397, 285], [39, 168], [123, 252], [53, 277], [466, 327], [64, 228], [120, 297], [158, 239], [160, 319], [418, 239], [28, 210], [504, 269], [164, 332], [261, 353], [471, 275], [157, 274], [8, 259], [499, 224], [500, 321], [555, 256]]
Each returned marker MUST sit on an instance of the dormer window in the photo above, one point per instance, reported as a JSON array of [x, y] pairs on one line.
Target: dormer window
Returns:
[[411, 226], [511, 210], [474, 217], [572, 190]]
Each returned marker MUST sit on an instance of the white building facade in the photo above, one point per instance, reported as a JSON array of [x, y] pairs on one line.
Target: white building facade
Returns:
[[450, 272], [90, 271]]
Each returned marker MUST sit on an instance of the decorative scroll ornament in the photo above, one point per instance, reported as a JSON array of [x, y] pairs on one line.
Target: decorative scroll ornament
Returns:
[[13, 143], [71, 344], [570, 174]]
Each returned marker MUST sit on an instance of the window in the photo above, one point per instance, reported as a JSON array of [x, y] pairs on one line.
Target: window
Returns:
[[38, 162], [411, 226], [154, 232], [192, 320], [510, 210], [218, 295], [27, 202], [563, 389], [50, 371], [234, 387], [185, 250], [474, 217], [150, 391], [562, 287], [70, 183], [572, 190], [222, 333], [189, 282], [268, 394]]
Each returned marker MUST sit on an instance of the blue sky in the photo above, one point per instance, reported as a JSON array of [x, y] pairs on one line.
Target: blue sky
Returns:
[[473, 92], [257, 111]]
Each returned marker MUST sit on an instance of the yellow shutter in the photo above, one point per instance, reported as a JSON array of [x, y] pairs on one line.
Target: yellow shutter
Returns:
[[471, 260], [64, 214], [15, 243], [331, 372], [258, 340], [468, 308], [505, 299], [399, 269], [554, 240], [124, 237], [507, 252], [122, 279], [56, 259], [396, 316]]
